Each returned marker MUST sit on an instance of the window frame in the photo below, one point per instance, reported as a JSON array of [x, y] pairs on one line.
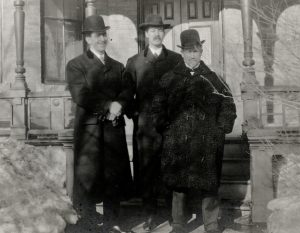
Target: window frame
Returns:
[[43, 18]]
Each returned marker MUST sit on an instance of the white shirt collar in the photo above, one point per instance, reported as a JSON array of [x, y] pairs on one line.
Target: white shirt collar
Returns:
[[97, 54], [191, 67], [155, 50]]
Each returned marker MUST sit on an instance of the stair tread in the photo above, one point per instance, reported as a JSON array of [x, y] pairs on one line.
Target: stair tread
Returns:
[[245, 182], [225, 204], [244, 159]]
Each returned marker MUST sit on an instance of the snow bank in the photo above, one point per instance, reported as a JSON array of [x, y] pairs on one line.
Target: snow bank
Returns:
[[285, 216], [32, 196]]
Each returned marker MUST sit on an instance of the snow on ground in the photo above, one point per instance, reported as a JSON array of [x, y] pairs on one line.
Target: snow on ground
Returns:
[[285, 216], [32, 196]]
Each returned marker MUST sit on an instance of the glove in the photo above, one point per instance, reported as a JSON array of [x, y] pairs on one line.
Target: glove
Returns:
[[115, 108]]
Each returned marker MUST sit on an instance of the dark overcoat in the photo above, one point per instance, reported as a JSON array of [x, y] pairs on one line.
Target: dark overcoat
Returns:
[[101, 161], [145, 71], [193, 112]]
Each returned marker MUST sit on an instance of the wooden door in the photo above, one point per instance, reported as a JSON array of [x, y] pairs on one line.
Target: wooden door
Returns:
[[202, 15]]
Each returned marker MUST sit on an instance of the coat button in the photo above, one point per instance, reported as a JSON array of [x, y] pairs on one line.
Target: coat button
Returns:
[[202, 116]]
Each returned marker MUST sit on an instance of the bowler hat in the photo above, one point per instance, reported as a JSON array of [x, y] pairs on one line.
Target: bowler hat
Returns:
[[189, 39], [153, 21], [94, 23]]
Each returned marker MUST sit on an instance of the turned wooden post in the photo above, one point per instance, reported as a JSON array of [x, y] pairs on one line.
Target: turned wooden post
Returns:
[[261, 157], [247, 32], [19, 88], [19, 20], [249, 84], [90, 8]]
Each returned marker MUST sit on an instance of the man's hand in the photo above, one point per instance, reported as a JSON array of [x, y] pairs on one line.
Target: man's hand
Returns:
[[115, 109]]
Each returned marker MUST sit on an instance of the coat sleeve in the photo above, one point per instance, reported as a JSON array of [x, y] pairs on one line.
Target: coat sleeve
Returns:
[[82, 95], [160, 104], [227, 110], [129, 81]]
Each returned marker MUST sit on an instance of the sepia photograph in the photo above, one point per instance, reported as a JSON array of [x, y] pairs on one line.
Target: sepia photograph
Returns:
[[141, 116]]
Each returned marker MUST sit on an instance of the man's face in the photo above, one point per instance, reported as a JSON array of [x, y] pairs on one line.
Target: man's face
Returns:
[[192, 56], [155, 36], [97, 41]]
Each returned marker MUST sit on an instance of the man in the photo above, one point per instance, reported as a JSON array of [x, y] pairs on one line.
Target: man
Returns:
[[145, 70], [193, 109], [101, 161]]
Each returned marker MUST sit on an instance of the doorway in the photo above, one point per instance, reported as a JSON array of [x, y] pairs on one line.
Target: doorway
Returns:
[[202, 15]]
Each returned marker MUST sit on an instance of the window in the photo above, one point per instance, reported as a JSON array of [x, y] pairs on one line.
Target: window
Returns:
[[192, 10], [206, 9], [169, 9], [155, 9], [61, 22]]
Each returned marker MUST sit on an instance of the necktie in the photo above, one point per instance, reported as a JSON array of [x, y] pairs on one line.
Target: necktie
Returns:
[[102, 58]]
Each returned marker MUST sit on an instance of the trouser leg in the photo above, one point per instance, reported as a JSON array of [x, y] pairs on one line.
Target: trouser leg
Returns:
[[85, 207], [178, 210], [149, 171], [111, 211], [210, 212]]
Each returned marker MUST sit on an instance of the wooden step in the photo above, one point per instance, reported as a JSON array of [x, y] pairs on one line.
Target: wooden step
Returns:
[[235, 190], [236, 204], [229, 192], [236, 168], [236, 147]]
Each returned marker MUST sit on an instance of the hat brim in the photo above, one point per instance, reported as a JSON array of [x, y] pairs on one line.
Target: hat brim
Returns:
[[144, 26], [190, 46], [95, 30]]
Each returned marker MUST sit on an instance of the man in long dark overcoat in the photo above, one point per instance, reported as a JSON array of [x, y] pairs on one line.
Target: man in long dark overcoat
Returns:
[[145, 70], [193, 110], [101, 164]]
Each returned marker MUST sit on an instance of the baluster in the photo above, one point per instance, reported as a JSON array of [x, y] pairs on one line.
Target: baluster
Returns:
[[249, 84], [90, 8], [19, 88], [19, 20]]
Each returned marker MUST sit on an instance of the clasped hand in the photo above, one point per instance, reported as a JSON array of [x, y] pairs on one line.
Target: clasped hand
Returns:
[[115, 110]]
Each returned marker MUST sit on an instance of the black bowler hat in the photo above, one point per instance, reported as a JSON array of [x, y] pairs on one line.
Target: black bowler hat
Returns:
[[94, 23], [153, 21], [189, 39]]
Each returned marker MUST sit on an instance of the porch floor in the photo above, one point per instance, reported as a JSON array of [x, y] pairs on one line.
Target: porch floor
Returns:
[[233, 220]]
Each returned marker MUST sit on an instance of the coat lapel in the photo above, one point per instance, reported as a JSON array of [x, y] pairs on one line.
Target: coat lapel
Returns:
[[108, 63], [163, 54], [202, 69], [149, 57], [96, 61]]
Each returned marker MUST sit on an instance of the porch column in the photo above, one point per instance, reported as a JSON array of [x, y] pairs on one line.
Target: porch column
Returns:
[[140, 19], [268, 39], [90, 8], [19, 20], [249, 83], [66, 137], [19, 87], [261, 179]]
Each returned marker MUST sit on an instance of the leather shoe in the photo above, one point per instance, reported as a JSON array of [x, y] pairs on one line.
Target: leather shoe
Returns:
[[150, 224], [214, 231], [178, 228], [117, 229]]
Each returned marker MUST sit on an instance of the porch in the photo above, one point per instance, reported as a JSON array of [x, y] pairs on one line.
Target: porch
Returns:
[[269, 113], [233, 219]]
